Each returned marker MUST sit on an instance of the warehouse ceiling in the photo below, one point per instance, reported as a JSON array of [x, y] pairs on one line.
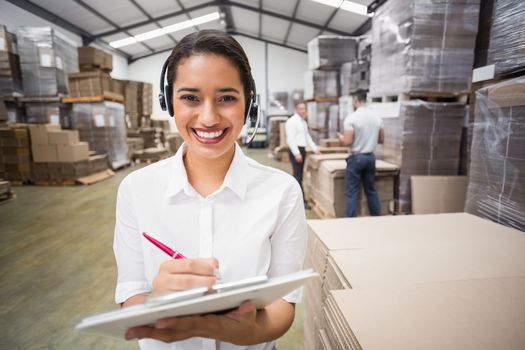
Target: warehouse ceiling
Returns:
[[287, 23]]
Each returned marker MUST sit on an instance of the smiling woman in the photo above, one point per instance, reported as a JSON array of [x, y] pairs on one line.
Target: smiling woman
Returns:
[[212, 203]]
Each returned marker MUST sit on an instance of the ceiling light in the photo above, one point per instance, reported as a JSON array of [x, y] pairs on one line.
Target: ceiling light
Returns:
[[166, 30], [346, 5]]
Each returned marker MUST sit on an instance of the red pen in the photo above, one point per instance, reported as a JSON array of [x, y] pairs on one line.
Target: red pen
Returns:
[[173, 253]]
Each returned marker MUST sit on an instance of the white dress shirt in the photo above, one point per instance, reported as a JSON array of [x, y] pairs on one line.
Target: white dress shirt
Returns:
[[297, 134], [254, 224]]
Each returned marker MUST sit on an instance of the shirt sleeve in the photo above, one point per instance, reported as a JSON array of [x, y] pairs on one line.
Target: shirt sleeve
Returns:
[[289, 238], [348, 124], [127, 246], [291, 137]]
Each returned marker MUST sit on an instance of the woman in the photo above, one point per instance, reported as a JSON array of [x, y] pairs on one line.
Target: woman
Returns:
[[211, 202]]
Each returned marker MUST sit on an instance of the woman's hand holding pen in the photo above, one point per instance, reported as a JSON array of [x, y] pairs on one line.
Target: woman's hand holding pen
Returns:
[[183, 274]]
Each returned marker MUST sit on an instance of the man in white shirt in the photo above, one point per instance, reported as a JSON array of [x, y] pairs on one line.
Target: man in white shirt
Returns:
[[297, 138], [363, 130]]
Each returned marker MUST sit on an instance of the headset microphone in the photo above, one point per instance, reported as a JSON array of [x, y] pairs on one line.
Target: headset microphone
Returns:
[[166, 101]]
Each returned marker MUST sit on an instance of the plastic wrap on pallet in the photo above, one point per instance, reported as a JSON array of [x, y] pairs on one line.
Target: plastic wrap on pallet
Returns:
[[334, 125], [507, 39], [423, 46], [10, 74], [330, 51], [45, 58], [364, 48], [345, 108], [102, 125], [321, 84], [496, 188], [49, 113], [355, 76], [423, 140], [318, 119]]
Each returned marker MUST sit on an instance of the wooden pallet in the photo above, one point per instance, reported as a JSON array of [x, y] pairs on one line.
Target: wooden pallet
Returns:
[[108, 96], [318, 210], [424, 96]]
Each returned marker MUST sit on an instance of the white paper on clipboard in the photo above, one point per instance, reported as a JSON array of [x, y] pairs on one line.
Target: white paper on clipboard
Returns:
[[116, 323]]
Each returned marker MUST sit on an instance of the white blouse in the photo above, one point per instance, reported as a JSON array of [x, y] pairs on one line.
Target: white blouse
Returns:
[[254, 224]]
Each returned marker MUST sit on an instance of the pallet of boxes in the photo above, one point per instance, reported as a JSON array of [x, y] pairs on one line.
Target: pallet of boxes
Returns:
[[428, 69], [97, 109], [60, 158], [496, 169]]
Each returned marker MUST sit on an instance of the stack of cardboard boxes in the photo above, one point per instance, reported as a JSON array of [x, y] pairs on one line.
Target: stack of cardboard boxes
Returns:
[[51, 144], [138, 103], [437, 274], [15, 153], [326, 54], [94, 79]]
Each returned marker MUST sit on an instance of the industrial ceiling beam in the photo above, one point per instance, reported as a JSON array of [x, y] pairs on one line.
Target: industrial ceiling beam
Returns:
[[277, 43], [145, 13], [283, 17], [87, 37], [159, 18], [101, 16], [187, 13], [285, 41], [327, 23], [227, 13]]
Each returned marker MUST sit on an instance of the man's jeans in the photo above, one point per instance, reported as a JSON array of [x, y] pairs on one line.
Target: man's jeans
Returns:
[[361, 168]]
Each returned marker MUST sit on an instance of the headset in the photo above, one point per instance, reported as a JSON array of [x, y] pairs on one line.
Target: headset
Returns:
[[166, 101]]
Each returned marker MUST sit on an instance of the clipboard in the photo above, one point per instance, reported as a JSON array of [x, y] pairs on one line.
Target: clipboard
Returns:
[[116, 323]]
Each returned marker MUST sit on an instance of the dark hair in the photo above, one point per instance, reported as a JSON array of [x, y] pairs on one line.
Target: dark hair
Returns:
[[213, 42], [359, 95]]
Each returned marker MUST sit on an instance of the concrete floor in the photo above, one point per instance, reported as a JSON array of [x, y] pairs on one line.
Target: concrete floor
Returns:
[[57, 265]]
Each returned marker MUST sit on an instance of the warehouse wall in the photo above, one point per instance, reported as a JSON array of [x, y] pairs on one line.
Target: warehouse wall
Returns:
[[285, 70], [13, 16]]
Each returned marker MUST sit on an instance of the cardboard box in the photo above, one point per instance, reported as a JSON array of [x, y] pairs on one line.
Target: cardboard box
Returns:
[[89, 57], [39, 133], [438, 194], [108, 62], [63, 137], [44, 153], [73, 153], [85, 84]]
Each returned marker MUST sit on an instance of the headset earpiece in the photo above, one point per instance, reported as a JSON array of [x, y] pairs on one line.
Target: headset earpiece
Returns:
[[166, 92]]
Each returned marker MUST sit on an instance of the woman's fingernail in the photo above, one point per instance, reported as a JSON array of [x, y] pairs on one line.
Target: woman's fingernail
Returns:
[[217, 273]]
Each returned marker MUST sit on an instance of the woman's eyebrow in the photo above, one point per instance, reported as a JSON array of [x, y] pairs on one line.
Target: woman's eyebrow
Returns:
[[227, 89], [188, 89]]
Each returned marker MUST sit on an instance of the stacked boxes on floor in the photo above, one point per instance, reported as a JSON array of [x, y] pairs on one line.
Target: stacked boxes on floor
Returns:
[[423, 50], [416, 274], [15, 153], [423, 140], [496, 188], [102, 125], [10, 74], [138, 103], [46, 57], [326, 54], [94, 78]]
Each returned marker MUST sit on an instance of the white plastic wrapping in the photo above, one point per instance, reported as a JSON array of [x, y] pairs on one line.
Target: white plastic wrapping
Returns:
[[103, 126], [423, 46], [330, 51], [496, 187], [507, 37]]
